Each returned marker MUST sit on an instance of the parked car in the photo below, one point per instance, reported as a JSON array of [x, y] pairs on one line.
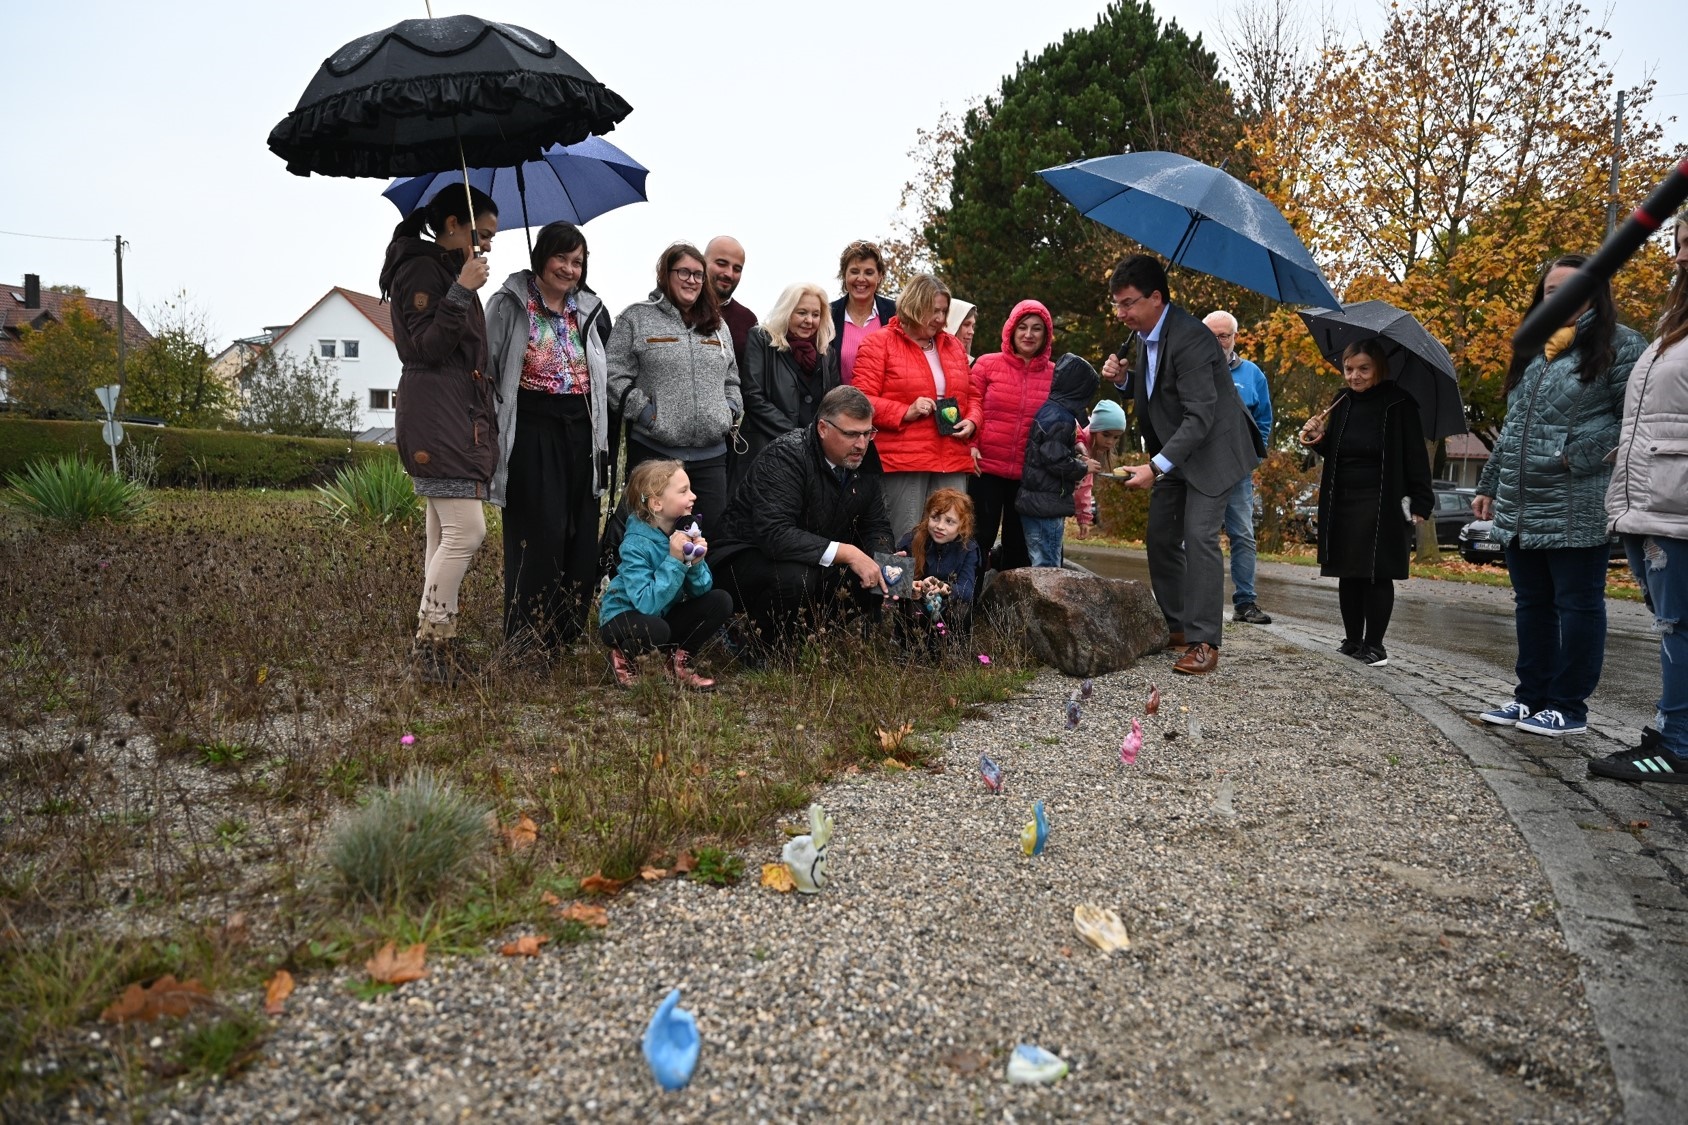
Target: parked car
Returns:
[[1451, 513], [1475, 546]]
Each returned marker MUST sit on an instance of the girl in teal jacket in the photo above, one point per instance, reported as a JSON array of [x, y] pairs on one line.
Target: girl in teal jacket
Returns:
[[662, 595]]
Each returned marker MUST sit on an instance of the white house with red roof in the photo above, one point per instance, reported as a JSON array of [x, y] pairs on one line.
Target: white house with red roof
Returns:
[[352, 332]]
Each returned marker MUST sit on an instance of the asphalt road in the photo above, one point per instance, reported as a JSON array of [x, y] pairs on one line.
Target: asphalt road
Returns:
[[1456, 622]]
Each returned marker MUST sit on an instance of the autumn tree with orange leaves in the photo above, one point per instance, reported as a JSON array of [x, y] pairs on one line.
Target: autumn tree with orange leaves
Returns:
[[1441, 165]]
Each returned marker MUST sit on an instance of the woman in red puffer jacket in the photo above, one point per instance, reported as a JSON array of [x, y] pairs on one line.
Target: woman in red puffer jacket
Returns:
[[1010, 386], [924, 409]]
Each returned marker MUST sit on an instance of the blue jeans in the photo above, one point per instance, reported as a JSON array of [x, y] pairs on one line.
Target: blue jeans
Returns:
[[1239, 529], [1661, 566], [1559, 594], [1043, 539]]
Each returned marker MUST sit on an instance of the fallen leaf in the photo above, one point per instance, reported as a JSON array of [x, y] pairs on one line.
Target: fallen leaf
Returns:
[[964, 1061], [890, 740], [1066, 951], [893, 764], [521, 835], [1640, 824], [525, 946], [658, 760], [778, 876], [389, 966], [165, 996], [954, 702], [235, 929], [684, 863], [1152, 705], [598, 884], [852, 769], [652, 874], [276, 991], [584, 914], [549, 899]]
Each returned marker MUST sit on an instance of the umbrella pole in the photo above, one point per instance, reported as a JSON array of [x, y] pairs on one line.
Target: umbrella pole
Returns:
[[521, 192]]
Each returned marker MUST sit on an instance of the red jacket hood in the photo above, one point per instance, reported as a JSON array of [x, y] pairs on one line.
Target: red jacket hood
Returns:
[[1020, 312]]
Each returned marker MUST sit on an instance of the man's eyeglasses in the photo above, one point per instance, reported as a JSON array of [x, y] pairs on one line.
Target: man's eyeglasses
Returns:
[[852, 435], [688, 275], [1124, 304]]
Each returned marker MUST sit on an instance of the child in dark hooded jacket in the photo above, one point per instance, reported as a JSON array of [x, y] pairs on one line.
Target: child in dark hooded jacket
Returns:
[[1054, 465]]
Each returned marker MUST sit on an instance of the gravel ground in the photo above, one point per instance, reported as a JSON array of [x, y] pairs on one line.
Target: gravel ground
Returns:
[[1365, 938]]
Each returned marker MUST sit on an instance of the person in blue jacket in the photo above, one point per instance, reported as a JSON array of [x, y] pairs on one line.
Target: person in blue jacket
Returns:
[[662, 595], [946, 563], [1239, 507]]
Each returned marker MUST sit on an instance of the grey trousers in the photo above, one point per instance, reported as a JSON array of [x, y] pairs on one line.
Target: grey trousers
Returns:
[[1186, 567], [905, 496]]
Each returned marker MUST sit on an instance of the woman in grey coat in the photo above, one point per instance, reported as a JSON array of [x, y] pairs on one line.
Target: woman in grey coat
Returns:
[[546, 334], [674, 378], [1545, 488]]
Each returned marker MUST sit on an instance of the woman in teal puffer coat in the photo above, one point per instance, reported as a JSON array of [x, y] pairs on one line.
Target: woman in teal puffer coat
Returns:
[[1545, 488]]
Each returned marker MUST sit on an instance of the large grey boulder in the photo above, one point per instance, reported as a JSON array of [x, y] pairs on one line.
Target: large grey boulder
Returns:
[[1082, 624]]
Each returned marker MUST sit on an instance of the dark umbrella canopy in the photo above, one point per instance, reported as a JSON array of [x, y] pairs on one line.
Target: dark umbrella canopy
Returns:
[[1195, 216], [1418, 362], [397, 102]]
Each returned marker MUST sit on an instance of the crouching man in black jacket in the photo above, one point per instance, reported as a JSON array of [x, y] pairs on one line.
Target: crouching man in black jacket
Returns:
[[802, 527]]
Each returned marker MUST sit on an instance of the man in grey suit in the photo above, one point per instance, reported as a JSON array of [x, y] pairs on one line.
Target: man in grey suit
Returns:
[[1201, 443]]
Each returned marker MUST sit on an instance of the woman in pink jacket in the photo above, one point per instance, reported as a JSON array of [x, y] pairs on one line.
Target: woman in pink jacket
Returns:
[[1010, 385]]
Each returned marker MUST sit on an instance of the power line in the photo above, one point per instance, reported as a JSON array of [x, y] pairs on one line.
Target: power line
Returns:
[[52, 237]]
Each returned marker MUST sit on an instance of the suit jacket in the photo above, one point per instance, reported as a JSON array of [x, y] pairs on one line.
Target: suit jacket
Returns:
[[1195, 418]]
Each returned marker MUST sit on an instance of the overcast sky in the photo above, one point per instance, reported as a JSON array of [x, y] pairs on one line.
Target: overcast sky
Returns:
[[785, 125]]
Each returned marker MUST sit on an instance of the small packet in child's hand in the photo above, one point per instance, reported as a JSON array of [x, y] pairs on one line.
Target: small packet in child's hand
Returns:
[[898, 571], [948, 416]]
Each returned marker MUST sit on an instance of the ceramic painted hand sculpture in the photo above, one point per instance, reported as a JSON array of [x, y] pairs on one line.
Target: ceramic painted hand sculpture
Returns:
[[671, 1043], [991, 772], [1036, 832], [806, 855]]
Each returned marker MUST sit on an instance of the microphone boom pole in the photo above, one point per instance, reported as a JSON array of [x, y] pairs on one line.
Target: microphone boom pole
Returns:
[[1618, 248]]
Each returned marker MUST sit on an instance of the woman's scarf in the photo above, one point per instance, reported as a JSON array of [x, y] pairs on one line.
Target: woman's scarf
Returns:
[[803, 351]]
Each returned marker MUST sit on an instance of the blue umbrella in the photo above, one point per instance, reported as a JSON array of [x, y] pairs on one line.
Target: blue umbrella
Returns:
[[573, 183], [1197, 217]]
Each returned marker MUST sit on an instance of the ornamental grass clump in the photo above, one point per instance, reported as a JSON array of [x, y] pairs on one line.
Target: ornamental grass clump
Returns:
[[409, 842], [74, 491], [377, 493]]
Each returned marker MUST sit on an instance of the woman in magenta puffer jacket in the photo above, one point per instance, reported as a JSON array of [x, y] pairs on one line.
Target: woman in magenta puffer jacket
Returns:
[[1010, 385]]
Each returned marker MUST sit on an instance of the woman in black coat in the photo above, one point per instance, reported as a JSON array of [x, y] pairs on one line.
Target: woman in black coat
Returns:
[[788, 368], [1373, 446]]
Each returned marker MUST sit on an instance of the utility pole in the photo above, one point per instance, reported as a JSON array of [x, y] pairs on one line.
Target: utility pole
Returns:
[[121, 344], [1617, 148]]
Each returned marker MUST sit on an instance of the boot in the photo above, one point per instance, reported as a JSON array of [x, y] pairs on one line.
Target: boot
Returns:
[[433, 661], [626, 674], [679, 667]]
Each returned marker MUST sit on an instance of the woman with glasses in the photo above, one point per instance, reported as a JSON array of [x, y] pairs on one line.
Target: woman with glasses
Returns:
[[673, 377], [789, 366], [915, 375], [1545, 488]]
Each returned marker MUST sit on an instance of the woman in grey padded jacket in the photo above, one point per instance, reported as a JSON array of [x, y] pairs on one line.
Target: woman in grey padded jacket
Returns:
[[672, 376], [1545, 488]]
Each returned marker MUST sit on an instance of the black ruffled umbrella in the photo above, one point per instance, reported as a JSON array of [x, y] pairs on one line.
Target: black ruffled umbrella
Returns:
[[430, 95]]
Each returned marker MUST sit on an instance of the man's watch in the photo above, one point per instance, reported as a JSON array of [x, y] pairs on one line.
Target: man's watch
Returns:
[[1156, 470]]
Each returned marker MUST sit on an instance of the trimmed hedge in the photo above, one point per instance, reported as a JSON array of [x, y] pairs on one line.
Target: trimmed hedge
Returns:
[[193, 458]]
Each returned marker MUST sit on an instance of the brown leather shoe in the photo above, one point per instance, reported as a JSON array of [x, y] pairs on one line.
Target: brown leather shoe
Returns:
[[1199, 660], [1176, 640]]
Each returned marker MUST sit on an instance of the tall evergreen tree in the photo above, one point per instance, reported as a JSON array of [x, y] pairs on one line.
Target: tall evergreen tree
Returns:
[[1130, 83]]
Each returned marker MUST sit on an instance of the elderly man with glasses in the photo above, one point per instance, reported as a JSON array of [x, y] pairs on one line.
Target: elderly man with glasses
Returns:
[[1239, 508], [800, 532]]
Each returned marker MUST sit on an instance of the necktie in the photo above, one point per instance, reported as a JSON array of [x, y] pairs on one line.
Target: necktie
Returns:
[[842, 474]]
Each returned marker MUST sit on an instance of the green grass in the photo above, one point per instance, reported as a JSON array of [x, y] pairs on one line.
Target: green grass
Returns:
[[73, 491], [377, 493], [261, 648]]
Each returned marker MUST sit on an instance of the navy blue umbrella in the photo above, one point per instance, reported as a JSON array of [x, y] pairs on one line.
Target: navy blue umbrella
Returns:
[[1197, 217], [572, 183], [1418, 362]]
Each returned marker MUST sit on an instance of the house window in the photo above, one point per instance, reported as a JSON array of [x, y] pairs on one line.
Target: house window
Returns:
[[383, 400], [325, 348], [348, 349]]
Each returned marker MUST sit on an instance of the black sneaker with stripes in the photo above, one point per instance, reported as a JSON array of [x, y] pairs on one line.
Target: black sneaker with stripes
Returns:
[[1648, 762]]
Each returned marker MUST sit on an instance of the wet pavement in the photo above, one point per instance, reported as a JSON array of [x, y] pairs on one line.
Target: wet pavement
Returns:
[[1616, 855]]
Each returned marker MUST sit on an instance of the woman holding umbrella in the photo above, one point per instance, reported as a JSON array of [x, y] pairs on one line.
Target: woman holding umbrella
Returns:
[[1373, 444], [1545, 488], [548, 332], [447, 427], [673, 376]]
